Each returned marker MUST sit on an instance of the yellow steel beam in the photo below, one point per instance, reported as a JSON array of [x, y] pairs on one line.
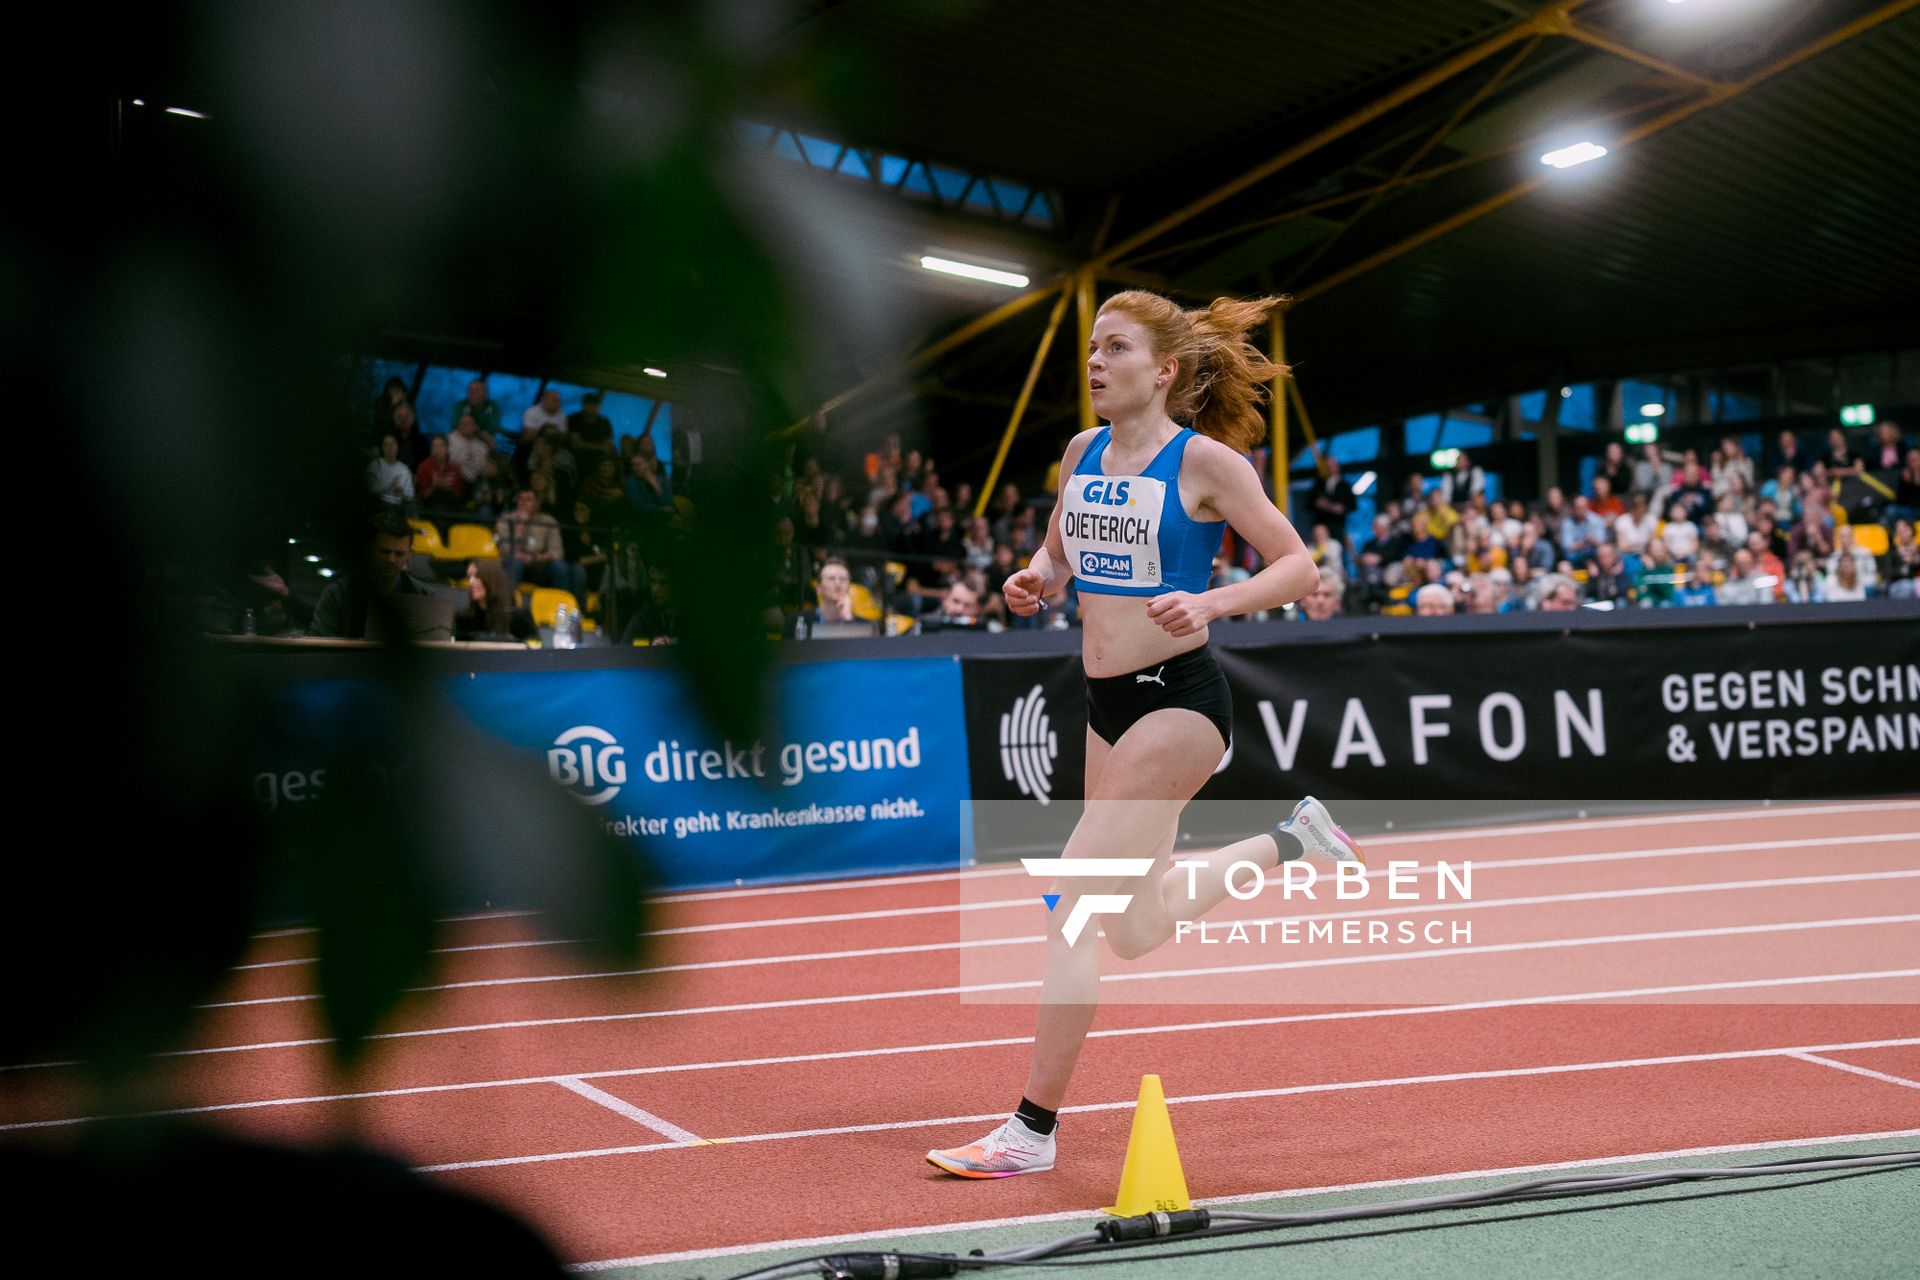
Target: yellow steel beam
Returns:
[[1712, 97], [1341, 128], [1588, 36], [1020, 403], [1280, 460], [1438, 136], [1083, 314]]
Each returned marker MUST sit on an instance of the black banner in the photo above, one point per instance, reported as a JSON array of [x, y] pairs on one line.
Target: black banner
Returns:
[[1701, 712]]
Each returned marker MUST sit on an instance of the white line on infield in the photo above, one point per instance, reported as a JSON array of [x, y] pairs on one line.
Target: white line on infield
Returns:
[[1173, 1028], [968, 944], [1858, 1071], [1242, 1095], [621, 1106]]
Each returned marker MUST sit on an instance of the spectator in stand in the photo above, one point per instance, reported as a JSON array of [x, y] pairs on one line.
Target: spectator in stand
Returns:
[[1505, 524], [1783, 490], [1024, 536], [1888, 450], [963, 501], [1608, 578], [901, 529], [1652, 473], [1731, 462], [1845, 546], [1480, 555], [1788, 453], [531, 549], [1695, 590], [1681, 534], [1632, 531], [492, 494], [1422, 545], [1764, 524], [1581, 532], [492, 610], [979, 543], [1692, 489], [868, 547], [388, 477], [1804, 584], [1618, 473], [583, 550], [1810, 536], [1906, 493], [813, 525], [1463, 482], [657, 620], [1331, 501], [437, 483], [589, 431], [1769, 571], [1553, 509], [1487, 593], [391, 397], [1659, 575], [941, 541], [541, 414], [1559, 594], [1729, 528], [1441, 516], [485, 412], [1323, 602], [1900, 567], [342, 607], [1844, 584], [1841, 460], [888, 455], [412, 440], [1536, 548], [1386, 547], [468, 449], [1606, 504], [1327, 553], [1005, 508], [836, 593], [1743, 583], [1433, 601], [646, 489]]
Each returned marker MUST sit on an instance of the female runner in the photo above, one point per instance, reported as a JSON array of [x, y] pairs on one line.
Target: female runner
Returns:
[[1141, 514]]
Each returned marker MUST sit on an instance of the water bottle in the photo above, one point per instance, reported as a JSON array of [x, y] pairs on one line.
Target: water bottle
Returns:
[[248, 627], [801, 629], [563, 628]]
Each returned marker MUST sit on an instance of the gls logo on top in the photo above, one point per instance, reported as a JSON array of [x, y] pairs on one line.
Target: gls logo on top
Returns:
[[1104, 564], [589, 761], [1107, 495]]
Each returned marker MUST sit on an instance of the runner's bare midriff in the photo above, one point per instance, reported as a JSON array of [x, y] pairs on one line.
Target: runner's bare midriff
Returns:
[[1118, 636]]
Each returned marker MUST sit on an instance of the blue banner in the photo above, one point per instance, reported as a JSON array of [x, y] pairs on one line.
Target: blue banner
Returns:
[[868, 774]]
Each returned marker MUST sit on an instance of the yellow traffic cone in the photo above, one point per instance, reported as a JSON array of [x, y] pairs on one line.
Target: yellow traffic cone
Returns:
[[1151, 1179]]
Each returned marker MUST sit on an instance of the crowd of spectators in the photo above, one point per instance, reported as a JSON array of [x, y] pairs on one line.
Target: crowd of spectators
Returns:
[[1651, 529]]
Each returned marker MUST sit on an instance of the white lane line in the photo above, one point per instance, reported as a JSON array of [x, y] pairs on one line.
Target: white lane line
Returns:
[[1243, 1095], [846, 917], [981, 988], [665, 1128], [1858, 1071], [1174, 1028], [1655, 891], [1072, 1215]]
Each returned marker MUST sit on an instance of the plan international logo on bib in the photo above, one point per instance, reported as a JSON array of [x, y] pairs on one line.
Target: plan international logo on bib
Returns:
[[1104, 564]]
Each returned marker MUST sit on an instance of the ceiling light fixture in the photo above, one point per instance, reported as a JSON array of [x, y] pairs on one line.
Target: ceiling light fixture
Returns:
[[187, 112], [1578, 153], [652, 372], [948, 266]]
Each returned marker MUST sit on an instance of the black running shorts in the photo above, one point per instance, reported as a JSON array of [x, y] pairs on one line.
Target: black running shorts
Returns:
[[1192, 680]]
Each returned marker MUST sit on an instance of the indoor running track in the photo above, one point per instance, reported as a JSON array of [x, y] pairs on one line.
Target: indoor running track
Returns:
[[1629, 986]]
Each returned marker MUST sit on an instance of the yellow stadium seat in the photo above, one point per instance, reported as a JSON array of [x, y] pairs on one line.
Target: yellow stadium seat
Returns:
[[471, 542], [1400, 592], [898, 624], [525, 591], [546, 600], [426, 540], [1397, 611], [865, 607], [897, 571], [1871, 538]]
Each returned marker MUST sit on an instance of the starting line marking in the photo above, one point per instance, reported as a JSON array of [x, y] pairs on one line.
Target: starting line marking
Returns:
[[1859, 1071], [593, 1093], [984, 1224]]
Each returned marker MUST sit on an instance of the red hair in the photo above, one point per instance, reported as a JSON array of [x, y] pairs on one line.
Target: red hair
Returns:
[[1219, 380]]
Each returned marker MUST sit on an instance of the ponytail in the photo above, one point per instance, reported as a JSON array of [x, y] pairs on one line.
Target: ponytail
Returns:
[[1220, 383]]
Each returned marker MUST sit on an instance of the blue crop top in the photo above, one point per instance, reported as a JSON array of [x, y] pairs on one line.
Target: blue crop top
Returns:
[[1130, 535]]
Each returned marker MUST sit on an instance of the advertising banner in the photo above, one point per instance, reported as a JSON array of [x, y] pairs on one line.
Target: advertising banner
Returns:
[[1791, 710]]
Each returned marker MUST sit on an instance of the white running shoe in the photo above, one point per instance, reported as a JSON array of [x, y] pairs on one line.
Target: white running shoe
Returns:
[[1010, 1149], [1315, 829]]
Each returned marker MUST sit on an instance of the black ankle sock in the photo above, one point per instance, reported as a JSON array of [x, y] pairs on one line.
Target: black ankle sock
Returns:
[[1037, 1117], [1290, 846]]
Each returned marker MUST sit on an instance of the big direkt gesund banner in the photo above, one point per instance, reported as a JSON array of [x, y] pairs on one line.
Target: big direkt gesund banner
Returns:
[[868, 774], [1777, 710]]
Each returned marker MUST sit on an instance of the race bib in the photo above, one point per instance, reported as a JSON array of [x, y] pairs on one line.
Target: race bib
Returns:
[[1110, 528]]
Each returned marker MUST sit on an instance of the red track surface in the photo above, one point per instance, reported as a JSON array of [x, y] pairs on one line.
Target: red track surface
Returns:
[[1333, 1065]]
